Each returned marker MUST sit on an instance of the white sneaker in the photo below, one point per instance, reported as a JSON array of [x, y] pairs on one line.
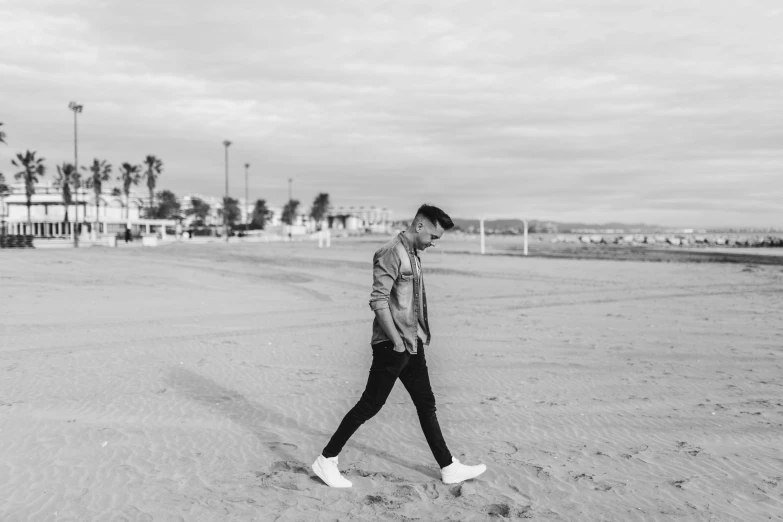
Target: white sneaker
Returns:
[[456, 472], [327, 470]]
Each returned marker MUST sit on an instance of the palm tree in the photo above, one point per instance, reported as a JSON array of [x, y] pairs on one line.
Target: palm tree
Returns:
[[261, 214], [198, 208], [231, 211], [33, 168], [154, 169], [100, 170], [4, 191], [289, 212], [320, 207], [63, 181], [129, 175]]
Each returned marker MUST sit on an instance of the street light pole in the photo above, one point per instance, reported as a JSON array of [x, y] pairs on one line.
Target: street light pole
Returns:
[[226, 144], [76, 108], [247, 201], [289, 188]]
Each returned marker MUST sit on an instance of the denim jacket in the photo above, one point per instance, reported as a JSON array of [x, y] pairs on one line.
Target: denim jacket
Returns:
[[396, 286]]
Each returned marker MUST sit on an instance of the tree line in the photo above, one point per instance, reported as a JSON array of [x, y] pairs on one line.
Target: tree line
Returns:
[[259, 216], [69, 180], [163, 205]]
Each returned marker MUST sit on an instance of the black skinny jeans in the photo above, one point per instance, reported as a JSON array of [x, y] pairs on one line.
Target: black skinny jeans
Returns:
[[387, 366]]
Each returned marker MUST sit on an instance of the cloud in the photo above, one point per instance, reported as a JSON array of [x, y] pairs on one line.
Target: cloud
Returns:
[[562, 109]]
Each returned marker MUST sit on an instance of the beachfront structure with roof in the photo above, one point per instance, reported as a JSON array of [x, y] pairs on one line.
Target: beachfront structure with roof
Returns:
[[349, 218], [116, 212], [365, 219], [215, 217], [48, 210]]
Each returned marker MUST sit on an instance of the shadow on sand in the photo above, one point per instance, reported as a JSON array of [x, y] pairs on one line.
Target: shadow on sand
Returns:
[[262, 422]]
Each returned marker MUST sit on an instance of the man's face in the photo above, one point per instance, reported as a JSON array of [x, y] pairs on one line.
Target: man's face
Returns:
[[427, 234]]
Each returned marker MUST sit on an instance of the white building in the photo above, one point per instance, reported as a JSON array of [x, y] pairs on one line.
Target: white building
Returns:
[[302, 224], [368, 219], [47, 213], [215, 216], [114, 213]]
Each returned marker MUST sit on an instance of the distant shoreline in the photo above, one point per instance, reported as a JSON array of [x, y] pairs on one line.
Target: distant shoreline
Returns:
[[612, 252], [748, 256]]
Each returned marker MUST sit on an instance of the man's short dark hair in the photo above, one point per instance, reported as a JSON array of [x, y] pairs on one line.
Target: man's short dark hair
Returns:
[[435, 215]]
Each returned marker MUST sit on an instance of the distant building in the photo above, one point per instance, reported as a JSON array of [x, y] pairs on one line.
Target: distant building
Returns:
[[115, 213], [48, 211], [543, 227], [367, 219], [215, 216], [212, 217]]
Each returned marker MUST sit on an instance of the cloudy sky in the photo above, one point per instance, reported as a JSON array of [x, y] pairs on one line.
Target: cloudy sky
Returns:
[[595, 110]]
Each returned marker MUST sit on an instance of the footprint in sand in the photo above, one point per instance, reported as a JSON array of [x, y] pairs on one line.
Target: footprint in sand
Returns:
[[380, 500], [693, 451], [407, 493], [291, 466], [388, 477], [284, 475], [498, 510], [456, 491], [431, 491], [282, 445], [504, 447], [603, 485]]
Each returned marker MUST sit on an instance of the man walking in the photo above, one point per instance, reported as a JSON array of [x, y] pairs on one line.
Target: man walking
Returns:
[[400, 332]]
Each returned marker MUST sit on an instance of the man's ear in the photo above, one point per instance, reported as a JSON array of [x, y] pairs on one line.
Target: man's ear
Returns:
[[419, 226]]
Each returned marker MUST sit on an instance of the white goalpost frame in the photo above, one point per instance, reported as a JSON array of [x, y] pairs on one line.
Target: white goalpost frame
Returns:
[[481, 228], [324, 236]]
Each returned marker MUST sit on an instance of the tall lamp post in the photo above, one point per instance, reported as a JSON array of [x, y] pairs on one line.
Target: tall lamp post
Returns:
[[247, 201], [76, 108], [290, 180], [226, 144]]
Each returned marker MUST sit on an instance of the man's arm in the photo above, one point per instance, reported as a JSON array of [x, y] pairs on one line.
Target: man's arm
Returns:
[[385, 269], [387, 323]]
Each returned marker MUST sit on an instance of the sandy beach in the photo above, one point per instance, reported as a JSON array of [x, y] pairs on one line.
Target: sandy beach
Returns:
[[199, 382]]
